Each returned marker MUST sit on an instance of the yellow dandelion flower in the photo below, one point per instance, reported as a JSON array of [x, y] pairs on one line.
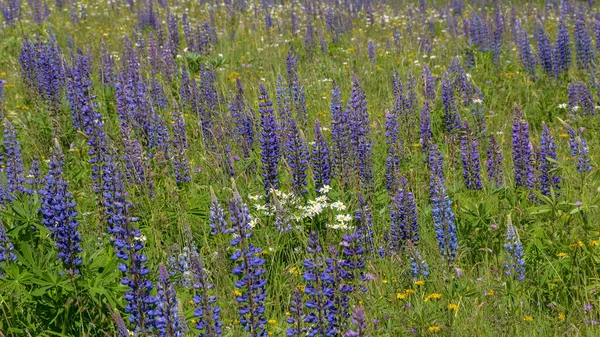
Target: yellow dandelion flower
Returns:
[[528, 318], [410, 291], [272, 322], [434, 329], [561, 316], [237, 293], [419, 283], [561, 254], [491, 292], [453, 307], [384, 281], [594, 243], [576, 244]]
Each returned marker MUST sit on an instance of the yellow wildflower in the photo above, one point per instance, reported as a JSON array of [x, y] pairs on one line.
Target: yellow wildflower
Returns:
[[528, 318], [410, 291], [561, 316], [561, 254], [272, 322], [419, 283], [453, 307], [400, 296], [434, 328], [433, 296]]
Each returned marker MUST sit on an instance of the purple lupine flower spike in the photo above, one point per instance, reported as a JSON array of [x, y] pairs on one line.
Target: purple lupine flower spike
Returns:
[[216, 218], [320, 158], [296, 154], [358, 319], [364, 228], [58, 215], [360, 142], [470, 158], [165, 314], [522, 154], [340, 134], [207, 312], [13, 161], [547, 163], [494, 162], [269, 143], [249, 269], [515, 266], [297, 316]]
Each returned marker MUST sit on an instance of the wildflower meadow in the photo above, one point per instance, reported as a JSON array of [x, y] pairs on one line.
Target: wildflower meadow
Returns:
[[313, 168]]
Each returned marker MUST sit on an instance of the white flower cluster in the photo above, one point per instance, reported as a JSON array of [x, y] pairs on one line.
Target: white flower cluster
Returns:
[[299, 211]]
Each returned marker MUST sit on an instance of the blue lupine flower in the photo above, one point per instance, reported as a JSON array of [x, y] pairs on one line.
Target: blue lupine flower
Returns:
[[297, 316], [358, 319], [371, 52], [425, 125], [12, 12], [562, 48], [249, 270], [58, 215], [494, 162], [579, 149], [584, 47], [404, 227], [448, 101], [165, 314], [340, 134], [269, 143], [364, 227], [128, 242], [296, 155], [522, 153], [394, 150], [13, 160], [525, 50], [6, 250], [216, 218], [544, 49], [137, 164], [418, 266], [443, 221], [470, 158], [515, 266], [548, 178], [428, 83], [320, 158], [360, 142], [207, 311], [320, 305]]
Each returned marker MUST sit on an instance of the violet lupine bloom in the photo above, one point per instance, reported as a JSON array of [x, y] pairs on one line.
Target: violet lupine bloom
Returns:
[[297, 316], [562, 48], [284, 107], [296, 154], [515, 265], [360, 142], [358, 319], [34, 178], [173, 26], [425, 125], [242, 118], [364, 227], [525, 51], [494, 162], [470, 158], [404, 226], [444, 222], [6, 250], [320, 304], [548, 178], [79, 88], [207, 311], [269, 143], [394, 150], [11, 11], [428, 83], [216, 217], [371, 52], [13, 161], [39, 10], [50, 74], [137, 164], [497, 34], [165, 314], [522, 153], [435, 160], [580, 99], [122, 330], [584, 47], [320, 163], [249, 268], [544, 48], [179, 146], [418, 266], [340, 134], [451, 118], [107, 67], [128, 242], [580, 150], [58, 215]]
